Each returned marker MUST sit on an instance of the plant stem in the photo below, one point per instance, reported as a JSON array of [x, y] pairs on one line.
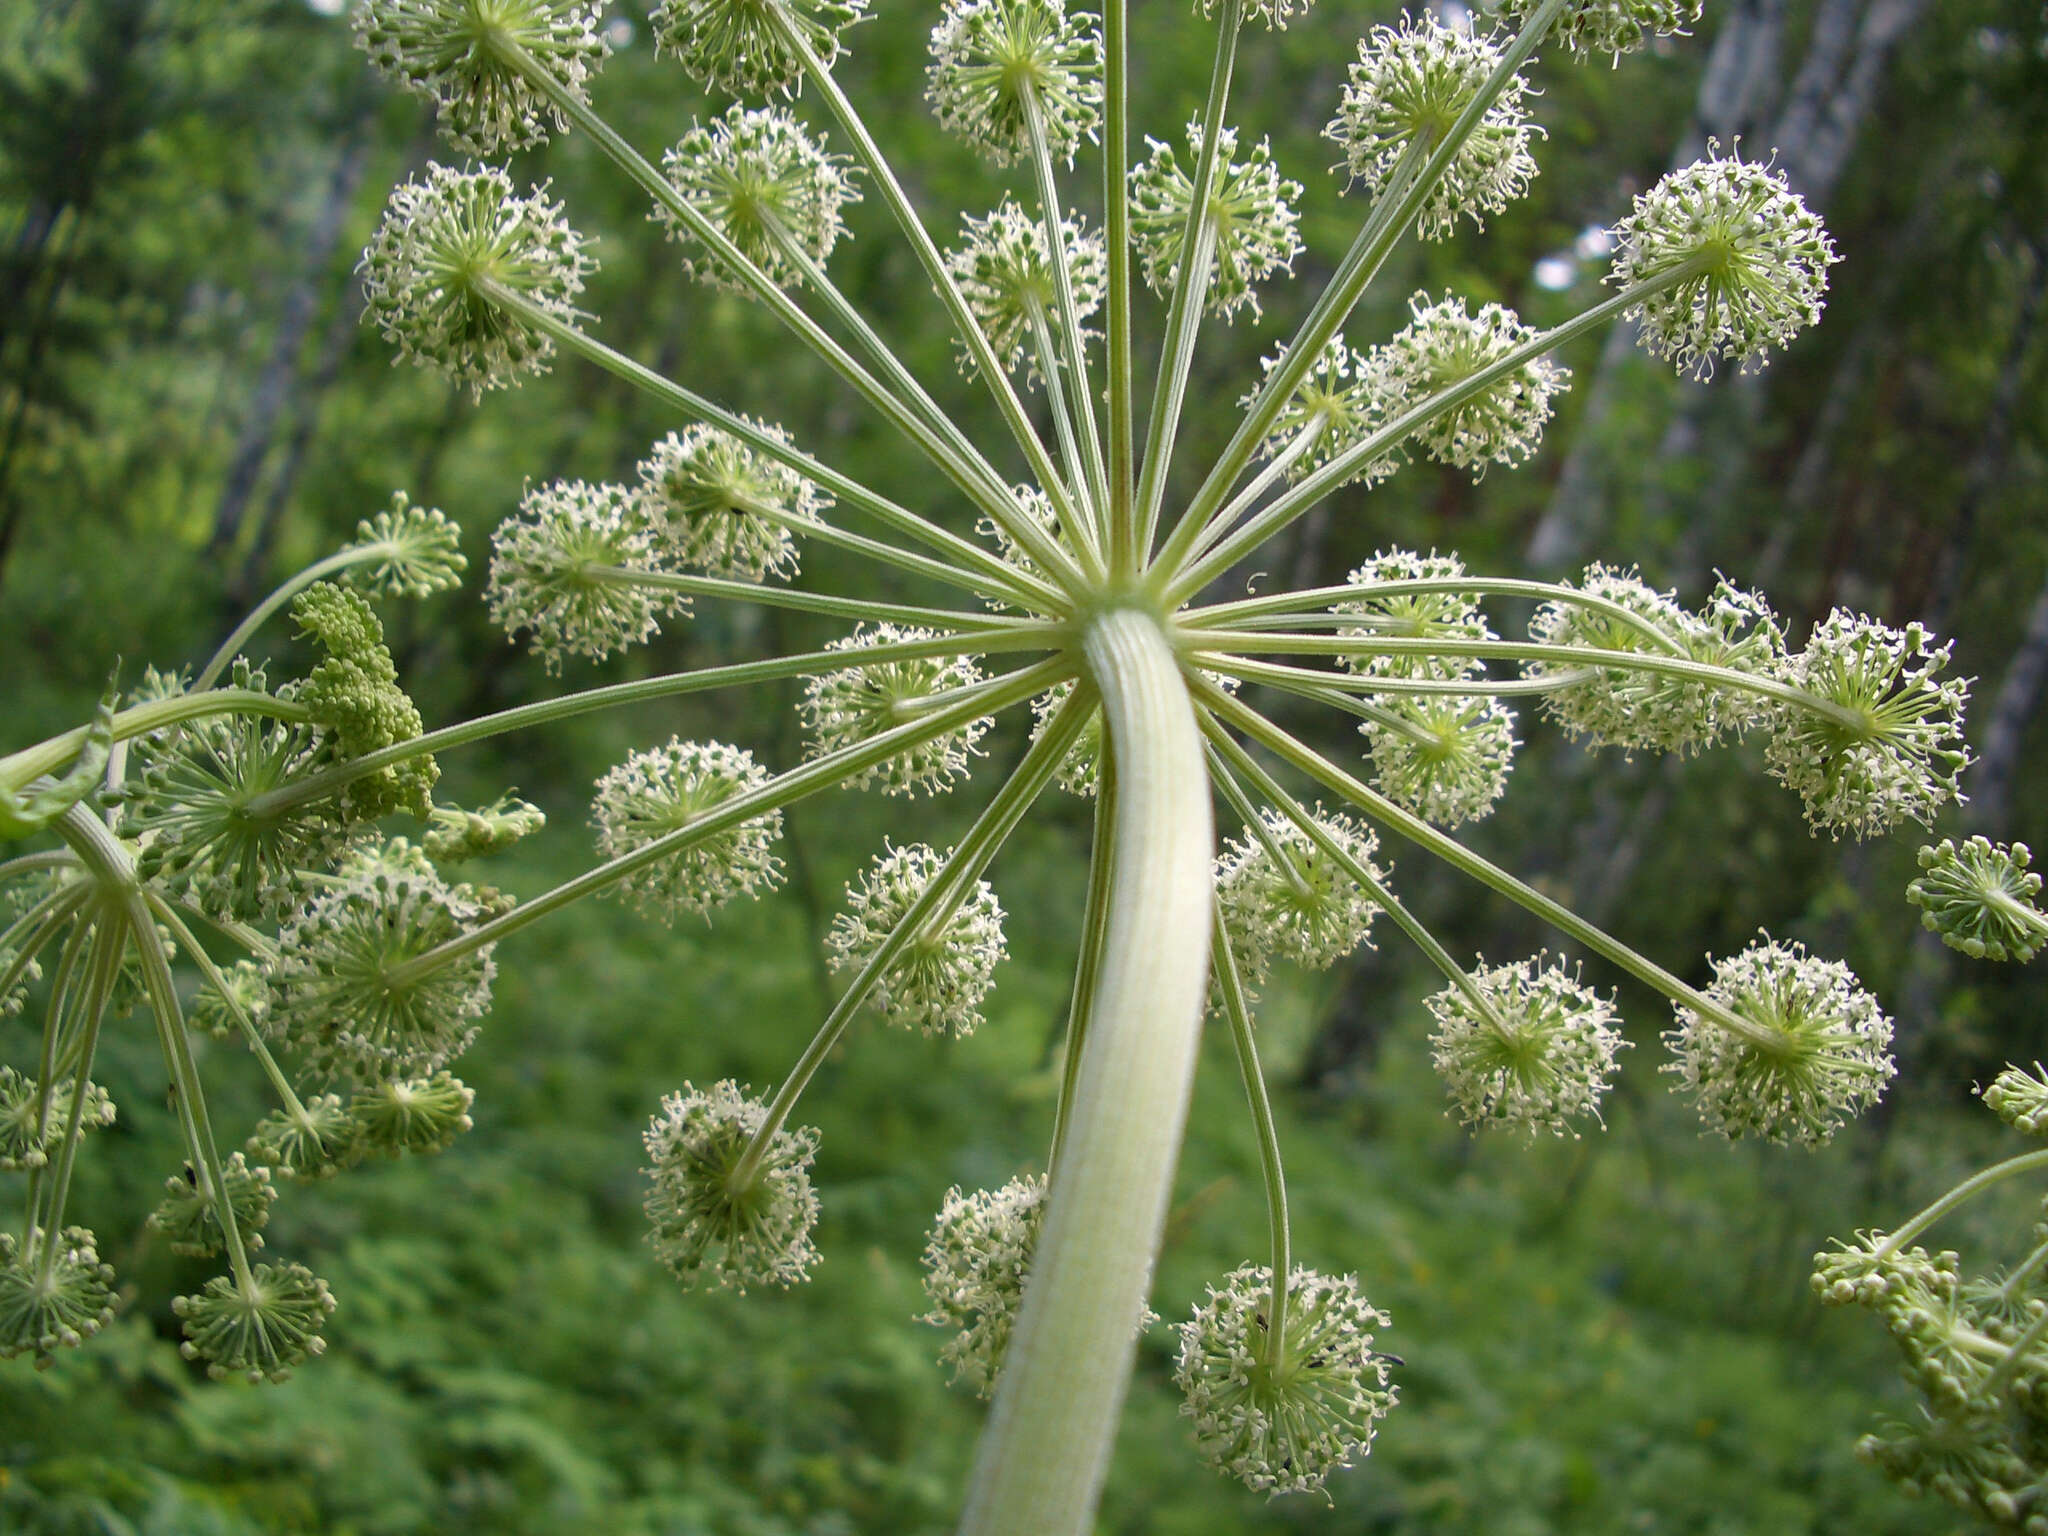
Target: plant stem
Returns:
[[1116, 229], [1273, 1347], [1299, 498], [1392, 214], [933, 908], [842, 487], [1027, 535], [672, 685], [1046, 1446], [783, 790], [1454, 853], [19, 768], [943, 619], [232, 646], [1962, 1194], [1088, 967]]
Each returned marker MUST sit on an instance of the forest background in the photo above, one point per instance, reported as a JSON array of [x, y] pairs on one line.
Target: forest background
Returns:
[[1607, 1335]]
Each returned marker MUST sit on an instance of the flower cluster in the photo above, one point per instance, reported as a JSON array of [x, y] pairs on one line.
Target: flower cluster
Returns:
[[1003, 71], [1612, 27], [1528, 1046], [460, 55], [716, 505], [1410, 84], [1980, 898], [658, 792], [1738, 261], [745, 48], [1247, 226], [1282, 893], [562, 569], [1883, 742], [975, 1262], [722, 1208], [341, 991], [945, 970], [1813, 1047], [451, 242], [1443, 346], [1282, 1414], [1341, 400], [758, 179], [858, 703], [1004, 270]]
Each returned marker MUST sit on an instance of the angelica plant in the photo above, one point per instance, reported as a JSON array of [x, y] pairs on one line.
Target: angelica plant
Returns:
[[234, 824]]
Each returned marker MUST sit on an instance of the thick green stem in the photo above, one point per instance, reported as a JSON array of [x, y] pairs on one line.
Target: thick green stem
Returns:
[[1046, 1447]]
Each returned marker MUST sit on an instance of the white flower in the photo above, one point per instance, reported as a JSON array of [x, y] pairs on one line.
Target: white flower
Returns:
[[1305, 906], [663, 789], [1825, 1057], [976, 1261], [1251, 208], [442, 237], [939, 980], [718, 506], [1761, 260], [1442, 346], [1539, 1056], [1409, 86], [995, 61], [763, 183], [1283, 1424], [1004, 271], [859, 703], [562, 569], [707, 1222], [737, 46], [1886, 744]]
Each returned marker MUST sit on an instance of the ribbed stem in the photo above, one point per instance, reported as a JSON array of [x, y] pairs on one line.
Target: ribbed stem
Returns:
[[1046, 1448]]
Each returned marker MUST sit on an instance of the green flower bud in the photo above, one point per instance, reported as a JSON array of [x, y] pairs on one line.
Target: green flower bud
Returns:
[[455, 836], [421, 1115], [418, 552], [189, 1217], [315, 1144], [260, 1331], [29, 1129], [1980, 899], [2020, 1099], [41, 1314], [354, 695]]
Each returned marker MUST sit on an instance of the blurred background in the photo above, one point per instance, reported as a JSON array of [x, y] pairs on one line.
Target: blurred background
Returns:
[[1608, 1335]]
